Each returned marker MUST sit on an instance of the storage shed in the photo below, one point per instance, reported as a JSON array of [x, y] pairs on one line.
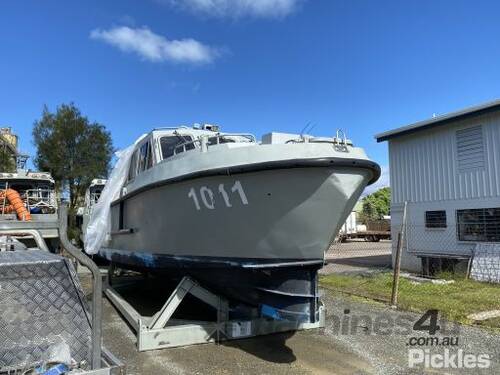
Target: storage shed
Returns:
[[448, 170]]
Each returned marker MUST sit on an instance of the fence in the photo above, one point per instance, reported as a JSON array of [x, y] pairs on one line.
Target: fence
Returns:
[[353, 265], [365, 268]]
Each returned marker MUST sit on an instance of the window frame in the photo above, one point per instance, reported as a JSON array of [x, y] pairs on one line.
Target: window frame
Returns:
[[133, 164], [145, 160], [483, 224], [136, 162], [436, 225], [180, 137]]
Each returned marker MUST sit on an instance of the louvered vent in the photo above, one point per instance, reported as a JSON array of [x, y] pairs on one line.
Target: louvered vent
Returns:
[[470, 149]]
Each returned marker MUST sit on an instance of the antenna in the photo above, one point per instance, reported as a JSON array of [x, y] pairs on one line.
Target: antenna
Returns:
[[304, 128]]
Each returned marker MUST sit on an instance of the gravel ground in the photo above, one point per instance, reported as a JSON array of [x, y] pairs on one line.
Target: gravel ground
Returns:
[[386, 349], [357, 248], [305, 352], [358, 256], [343, 347]]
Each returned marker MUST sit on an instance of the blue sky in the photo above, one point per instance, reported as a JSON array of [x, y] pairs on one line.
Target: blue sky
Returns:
[[253, 66]]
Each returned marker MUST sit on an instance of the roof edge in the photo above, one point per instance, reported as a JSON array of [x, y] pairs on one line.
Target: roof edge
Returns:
[[439, 120]]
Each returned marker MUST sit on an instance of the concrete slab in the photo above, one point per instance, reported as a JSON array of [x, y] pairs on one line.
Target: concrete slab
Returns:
[[358, 256]]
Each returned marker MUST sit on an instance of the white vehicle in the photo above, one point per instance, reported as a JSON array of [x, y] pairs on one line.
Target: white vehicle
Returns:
[[34, 205], [92, 195]]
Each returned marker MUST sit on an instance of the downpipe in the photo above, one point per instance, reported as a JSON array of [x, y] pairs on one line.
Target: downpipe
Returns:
[[96, 285]]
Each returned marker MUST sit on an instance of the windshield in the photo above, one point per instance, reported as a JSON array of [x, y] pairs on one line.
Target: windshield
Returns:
[[170, 145]]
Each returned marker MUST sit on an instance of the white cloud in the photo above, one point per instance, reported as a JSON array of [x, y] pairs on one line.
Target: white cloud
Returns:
[[239, 8], [383, 181], [154, 47]]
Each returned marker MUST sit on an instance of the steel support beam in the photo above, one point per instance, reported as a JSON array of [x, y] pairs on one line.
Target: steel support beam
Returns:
[[161, 331]]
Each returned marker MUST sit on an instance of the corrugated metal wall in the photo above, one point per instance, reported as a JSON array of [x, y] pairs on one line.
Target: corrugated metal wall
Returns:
[[424, 165]]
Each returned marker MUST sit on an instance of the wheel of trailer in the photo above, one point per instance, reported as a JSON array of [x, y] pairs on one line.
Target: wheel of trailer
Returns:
[[369, 238], [375, 238]]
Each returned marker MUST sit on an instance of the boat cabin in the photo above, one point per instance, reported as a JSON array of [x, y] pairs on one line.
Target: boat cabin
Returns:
[[93, 194], [164, 144]]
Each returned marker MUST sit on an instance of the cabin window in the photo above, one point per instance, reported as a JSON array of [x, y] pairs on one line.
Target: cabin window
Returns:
[[145, 157], [220, 140], [480, 225], [95, 194], [173, 145], [133, 166], [435, 219]]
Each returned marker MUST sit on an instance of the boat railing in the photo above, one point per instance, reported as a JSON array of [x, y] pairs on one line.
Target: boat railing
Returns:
[[45, 199], [183, 146], [340, 137], [340, 140], [170, 128], [206, 141], [41, 198]]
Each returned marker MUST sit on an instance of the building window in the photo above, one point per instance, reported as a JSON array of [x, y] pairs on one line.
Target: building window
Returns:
[[470, 149], [435, 219], [481, 225]]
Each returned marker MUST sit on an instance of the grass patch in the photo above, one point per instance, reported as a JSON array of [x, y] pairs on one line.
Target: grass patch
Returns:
[[454, 301], [491, 323]]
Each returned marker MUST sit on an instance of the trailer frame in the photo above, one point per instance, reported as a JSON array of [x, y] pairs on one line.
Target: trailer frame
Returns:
[[162, 331]]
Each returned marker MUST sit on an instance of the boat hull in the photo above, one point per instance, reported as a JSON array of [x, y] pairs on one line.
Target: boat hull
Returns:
[[291, 290], [256, 237], [275, 215]]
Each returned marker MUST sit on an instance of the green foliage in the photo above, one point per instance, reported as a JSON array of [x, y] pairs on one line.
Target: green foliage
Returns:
[[7, 162], [72, 149], [376, 205], [454, 301]]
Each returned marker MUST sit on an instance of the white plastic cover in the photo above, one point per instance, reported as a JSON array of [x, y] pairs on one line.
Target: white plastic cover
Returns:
[[59, 352], [100, 219]]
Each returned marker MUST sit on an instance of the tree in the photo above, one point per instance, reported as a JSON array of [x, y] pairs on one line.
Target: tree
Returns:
[[72, 149], [377, 204]]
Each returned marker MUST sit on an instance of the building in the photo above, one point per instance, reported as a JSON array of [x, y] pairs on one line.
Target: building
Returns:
[[448, 170], [8, 146], [10, 156]]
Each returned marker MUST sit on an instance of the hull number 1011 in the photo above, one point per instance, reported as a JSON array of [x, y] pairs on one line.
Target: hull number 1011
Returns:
[[207, 197]]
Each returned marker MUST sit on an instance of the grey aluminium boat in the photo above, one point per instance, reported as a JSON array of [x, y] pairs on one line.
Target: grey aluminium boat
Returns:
[[251, 220]]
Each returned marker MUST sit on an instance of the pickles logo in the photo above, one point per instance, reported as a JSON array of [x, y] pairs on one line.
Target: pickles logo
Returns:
[[447, 359]]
